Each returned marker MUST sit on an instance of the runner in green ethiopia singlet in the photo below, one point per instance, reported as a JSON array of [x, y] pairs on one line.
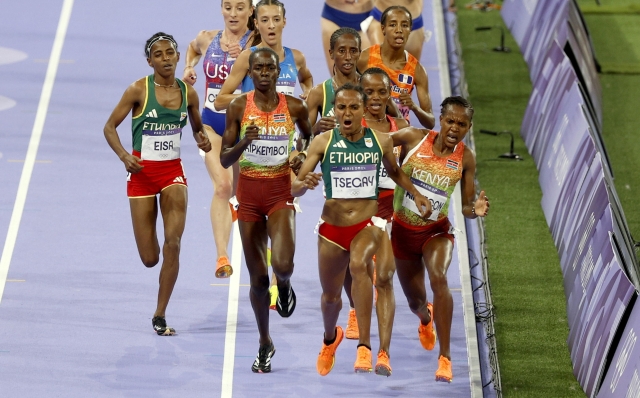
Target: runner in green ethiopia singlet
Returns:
[[350, 169], [157, 130], [329, 96]]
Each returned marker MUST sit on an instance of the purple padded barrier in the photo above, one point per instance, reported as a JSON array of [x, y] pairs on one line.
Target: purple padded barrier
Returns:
[[623, 376], [559, 161], [570, 192], [604, 299], [582, 214], [562, 100], [517, 16], [536, 106], [578, 40], [547, 19], [568, 120]]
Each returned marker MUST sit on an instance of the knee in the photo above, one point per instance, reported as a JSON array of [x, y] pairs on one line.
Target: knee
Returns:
[[439, 282], [282, 267], [331, 299], [384, 277], [150, 260], [358, 269], [223, 188], [172, 244], [260, 284]]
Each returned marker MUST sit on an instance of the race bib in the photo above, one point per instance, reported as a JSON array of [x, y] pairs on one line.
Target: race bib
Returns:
[[353, 182], [160, 145], [212, 93], [384, 181], [437, 197], [268, 150]]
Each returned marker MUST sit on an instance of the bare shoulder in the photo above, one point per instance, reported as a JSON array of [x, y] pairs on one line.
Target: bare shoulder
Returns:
[[238, 104], [401, 122], [295, 104], [137, 89]]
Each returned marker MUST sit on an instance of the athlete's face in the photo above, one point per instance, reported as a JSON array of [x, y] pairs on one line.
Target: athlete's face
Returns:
[[163, 57], [345, 53], [454, 125], [236, 13], [397, 28], [270, 22], [265, 71], [349, 109], [376, 87]]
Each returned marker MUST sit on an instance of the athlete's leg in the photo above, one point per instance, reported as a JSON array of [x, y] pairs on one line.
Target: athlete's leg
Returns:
[[173, 205], [332, 265], [386, 304], [281, 229], [222, 191], [437, 257], [411, 275], [348, 281], [144, 213], [363, 247], [254, 244]]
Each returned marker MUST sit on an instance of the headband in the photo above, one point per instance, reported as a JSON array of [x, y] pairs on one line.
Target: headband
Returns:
[[157, 39]]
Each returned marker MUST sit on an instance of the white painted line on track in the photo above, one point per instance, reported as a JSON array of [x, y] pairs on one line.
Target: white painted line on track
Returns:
[[34, 143], [473, 356], [232, 315]]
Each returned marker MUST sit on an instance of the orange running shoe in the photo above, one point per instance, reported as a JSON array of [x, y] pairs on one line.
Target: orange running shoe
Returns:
[[363, 360], [426, 333], [383, 368], [233, 206], [352, 326], [223, 268], [327, 355], [444, 370]]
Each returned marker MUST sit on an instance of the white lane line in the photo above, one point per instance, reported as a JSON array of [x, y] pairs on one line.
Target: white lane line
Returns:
[[34, 143], [232, 315], [473, 356]]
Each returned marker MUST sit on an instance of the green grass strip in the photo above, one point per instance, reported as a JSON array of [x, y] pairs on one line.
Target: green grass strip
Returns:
[[611, 9], [620, 69]]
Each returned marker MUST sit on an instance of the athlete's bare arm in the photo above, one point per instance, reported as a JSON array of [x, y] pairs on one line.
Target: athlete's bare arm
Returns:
[[193, 108], [230, 151], [306, 178], [407, 137], [314, 103], [399, 177], [481, 205], [304, 74], [300, 116], [423, 111], [130, 102], [197, 47], [238, 72]]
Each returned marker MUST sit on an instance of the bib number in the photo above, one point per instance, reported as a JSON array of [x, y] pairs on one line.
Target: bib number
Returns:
[[437, 197], [268, 150], [212, 93], [161, 145], [353, 182]]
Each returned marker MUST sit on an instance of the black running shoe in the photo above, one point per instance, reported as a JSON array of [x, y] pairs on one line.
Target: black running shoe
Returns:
[[160, 326], [262, 364], [286, 302]]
